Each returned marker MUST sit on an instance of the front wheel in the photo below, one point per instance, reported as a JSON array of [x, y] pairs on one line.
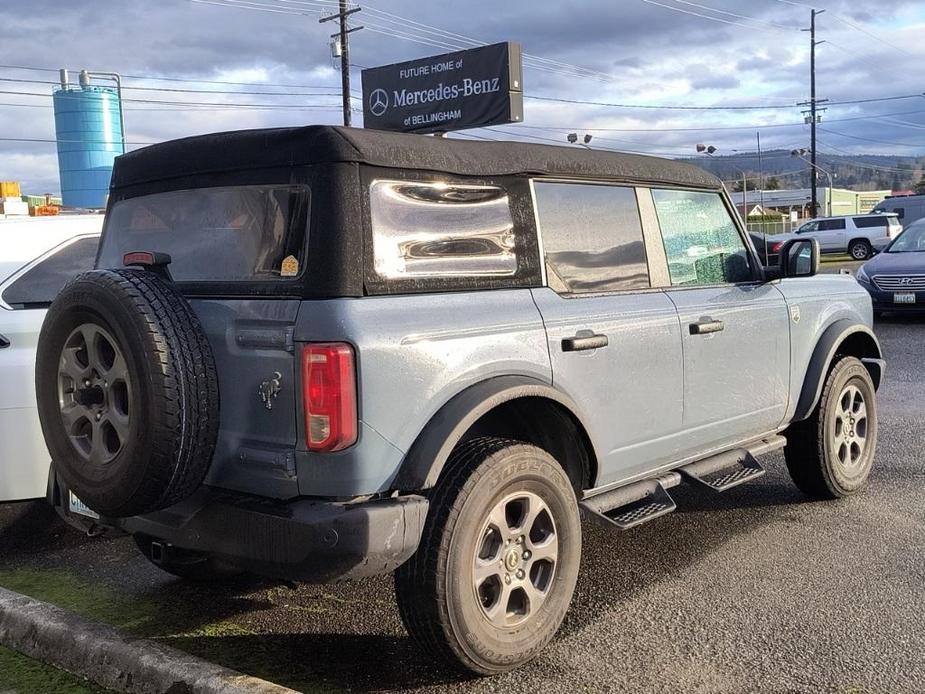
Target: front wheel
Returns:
[[860, 250], [495, 571], [830, 455]]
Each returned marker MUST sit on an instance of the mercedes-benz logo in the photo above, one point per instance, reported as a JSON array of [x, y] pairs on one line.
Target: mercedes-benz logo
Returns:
[[378, 102]]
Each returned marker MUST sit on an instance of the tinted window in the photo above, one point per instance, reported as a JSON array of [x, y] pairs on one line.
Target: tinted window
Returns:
[[40, 285], [870, 222], [809, 226], [592, 237], [423, 229], [831, 224], [900, 212], [701, 240], [213, 234]]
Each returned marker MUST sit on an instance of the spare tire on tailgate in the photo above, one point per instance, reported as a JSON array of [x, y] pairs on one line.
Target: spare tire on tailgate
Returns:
[[127, 392]]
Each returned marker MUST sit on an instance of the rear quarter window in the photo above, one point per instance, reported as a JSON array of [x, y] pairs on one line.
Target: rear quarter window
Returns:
[[39, 285], [427, 230], [871, 222]]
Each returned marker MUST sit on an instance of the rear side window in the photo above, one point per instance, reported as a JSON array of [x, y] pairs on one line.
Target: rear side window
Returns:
[[592, 236], [871, 222], [427, 229], [831, 224], [41, 284], [702, 243], [231, 234]]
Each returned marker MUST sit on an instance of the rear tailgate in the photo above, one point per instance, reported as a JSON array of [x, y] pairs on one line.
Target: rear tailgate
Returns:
[[251, 340]]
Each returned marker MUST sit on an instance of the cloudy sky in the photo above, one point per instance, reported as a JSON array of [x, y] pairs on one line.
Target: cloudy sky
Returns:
[[268, 62]]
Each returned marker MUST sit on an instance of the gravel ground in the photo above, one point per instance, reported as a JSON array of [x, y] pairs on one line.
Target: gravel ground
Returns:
[[756, 590]]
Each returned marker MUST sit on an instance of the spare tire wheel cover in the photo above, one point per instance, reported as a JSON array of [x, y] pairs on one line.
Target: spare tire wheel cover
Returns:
[[127, 392]]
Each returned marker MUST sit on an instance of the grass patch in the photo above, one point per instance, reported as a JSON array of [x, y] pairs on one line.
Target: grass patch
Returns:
[[139, 616], [22, 675], [91, 601]]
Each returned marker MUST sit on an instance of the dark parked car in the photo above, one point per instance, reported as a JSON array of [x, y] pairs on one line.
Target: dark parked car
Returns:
[[895, 279]]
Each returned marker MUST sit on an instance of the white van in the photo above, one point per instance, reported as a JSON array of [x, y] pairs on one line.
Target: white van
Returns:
[[908, 208]]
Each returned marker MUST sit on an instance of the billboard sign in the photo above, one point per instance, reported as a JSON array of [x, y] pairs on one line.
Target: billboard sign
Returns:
[[466, 89]]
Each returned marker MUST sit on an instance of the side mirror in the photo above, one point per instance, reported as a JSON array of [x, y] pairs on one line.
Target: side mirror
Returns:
[[799, 258]]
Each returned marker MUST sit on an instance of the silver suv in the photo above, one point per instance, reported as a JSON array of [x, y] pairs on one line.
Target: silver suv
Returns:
[[325, 353], [860, 235]]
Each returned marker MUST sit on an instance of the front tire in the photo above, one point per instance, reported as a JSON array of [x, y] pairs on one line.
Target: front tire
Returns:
[[498, 561], [860, 249], [830, 455]]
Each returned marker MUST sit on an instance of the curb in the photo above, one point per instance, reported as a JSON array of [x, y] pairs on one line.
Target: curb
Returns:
[[112, 659]]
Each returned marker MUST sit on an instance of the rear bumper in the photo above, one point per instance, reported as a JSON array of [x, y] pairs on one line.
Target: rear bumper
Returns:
[[302, 540]]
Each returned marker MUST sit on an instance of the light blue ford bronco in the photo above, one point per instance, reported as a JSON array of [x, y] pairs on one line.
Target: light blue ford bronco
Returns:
[[322, 353]]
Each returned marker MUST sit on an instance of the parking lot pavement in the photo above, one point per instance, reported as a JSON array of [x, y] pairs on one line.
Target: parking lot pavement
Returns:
[[755, 590], [833, 265]]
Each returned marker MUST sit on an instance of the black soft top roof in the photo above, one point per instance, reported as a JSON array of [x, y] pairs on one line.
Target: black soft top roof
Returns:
[[243, 150]]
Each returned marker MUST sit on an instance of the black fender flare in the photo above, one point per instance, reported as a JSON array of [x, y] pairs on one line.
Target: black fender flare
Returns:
[[427, 456], [828, 346]]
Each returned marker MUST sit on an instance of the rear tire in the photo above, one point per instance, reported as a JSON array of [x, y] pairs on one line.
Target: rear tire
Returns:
[[189, 565], [859, 249], [495, 571], [830, 455]]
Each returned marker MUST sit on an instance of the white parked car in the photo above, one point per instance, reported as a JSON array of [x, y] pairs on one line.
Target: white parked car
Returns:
[[38, 255], [858, 235]]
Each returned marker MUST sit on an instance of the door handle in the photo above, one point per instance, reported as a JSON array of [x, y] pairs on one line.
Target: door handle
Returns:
[[4, 341], [706, 326], [582, 342]]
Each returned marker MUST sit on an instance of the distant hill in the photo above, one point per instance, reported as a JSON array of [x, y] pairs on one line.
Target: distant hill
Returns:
[[856, 172]]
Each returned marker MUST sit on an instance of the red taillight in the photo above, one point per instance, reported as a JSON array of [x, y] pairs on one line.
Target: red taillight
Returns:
[[330, 396], [775, 247]]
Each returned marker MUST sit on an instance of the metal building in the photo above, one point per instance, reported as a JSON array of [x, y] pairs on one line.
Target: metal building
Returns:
[[88, 126]]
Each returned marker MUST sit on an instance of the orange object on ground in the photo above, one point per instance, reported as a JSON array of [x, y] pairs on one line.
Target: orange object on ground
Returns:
[[43, 210]]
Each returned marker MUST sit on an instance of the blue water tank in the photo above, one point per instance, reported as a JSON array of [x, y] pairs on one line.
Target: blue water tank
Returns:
[[89, 138]]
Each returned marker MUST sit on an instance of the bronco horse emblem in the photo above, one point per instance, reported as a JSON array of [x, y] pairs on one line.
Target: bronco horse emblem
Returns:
[[269, 390]]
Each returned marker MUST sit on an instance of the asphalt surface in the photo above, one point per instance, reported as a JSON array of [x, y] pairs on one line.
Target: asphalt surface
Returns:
[[755, 590]]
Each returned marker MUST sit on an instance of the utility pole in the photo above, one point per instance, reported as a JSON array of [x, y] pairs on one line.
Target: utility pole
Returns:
[[343, 37], [813, 118]]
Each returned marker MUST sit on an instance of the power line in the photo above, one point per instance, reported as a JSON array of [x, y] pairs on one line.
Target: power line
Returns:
[[873, 35], [175, 90], [698, 14], [210, 104], [772, 25], [753, 126], [868, 139]]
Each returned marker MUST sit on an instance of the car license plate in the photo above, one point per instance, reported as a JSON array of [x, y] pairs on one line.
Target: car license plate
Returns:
[[904, 298], [79, 507]]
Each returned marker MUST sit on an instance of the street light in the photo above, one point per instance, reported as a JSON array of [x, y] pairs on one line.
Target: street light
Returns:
[[709, 150], [800, 154], [573, 139]]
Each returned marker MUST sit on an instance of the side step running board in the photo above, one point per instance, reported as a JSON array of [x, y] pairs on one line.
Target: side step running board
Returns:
[[626, 507], [732, 468], [633, 504]]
